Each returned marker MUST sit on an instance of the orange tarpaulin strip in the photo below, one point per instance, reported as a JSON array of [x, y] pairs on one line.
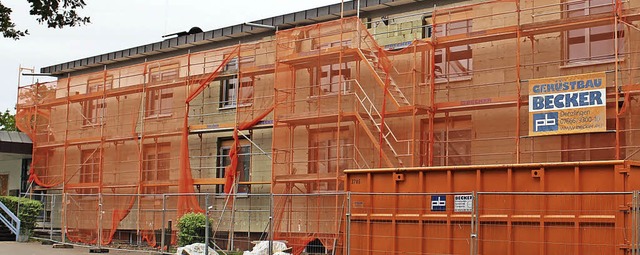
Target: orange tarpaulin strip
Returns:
[[185, 185], [212, 76], [116, 217], [231, 172], [24, 122], [33, 177]]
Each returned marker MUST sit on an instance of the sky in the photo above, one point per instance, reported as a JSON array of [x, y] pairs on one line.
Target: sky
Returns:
[[117, 25]]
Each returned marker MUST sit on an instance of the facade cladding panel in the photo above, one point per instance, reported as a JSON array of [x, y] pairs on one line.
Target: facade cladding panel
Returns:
[[406, 99]]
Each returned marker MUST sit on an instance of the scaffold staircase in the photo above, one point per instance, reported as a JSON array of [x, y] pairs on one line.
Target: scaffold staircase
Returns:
[[373, 126], [381, 66], [383, 77]]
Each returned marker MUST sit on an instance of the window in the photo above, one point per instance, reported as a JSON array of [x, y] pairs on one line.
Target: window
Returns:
[[160, 100], [328, 79], [156, 168], [232, 96], [90, 170], [457, 61], [329, 45], [45, 162], [164, 73], [94, 110], [427, 28], [586, 45], [325, 147], [452, 142], [244, 164], [592, 146]]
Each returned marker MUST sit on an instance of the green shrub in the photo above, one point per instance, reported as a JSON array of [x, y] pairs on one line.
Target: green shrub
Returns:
[[29, 211], [191, 228]]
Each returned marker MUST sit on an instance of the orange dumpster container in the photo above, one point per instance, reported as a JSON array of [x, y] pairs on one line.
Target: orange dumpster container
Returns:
[[546, 208]]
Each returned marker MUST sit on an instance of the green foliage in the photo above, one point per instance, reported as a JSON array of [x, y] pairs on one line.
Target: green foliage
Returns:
[[191, 228], [7, 27], [7, 121], [53, 13], [29, 211]]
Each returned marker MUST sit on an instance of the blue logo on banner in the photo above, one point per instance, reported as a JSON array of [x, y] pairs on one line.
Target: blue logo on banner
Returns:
[[438, 203], [545, 122]]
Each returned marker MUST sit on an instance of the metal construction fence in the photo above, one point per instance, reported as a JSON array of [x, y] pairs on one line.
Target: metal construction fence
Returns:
[[364, 223]]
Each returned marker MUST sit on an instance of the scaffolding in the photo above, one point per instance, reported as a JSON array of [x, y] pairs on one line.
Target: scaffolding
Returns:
[[288, 114]]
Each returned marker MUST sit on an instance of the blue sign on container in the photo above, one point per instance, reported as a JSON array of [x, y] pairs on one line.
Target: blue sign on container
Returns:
[[438, 203]]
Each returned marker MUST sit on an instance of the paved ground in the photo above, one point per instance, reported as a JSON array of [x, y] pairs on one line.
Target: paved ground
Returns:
[[35, 248]]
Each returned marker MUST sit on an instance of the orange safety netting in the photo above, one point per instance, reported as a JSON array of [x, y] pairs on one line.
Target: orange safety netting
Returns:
[[186, 203], [140, 143], [231, 172], [338, 100]]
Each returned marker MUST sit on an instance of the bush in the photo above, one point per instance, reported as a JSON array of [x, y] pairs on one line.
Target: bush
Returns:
[[191, 228], [29, 211]]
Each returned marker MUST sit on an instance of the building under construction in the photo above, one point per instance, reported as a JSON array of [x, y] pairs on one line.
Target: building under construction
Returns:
[[404, 97]]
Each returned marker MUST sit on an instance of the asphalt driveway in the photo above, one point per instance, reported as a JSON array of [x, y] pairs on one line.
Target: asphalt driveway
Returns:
[[35, 248]]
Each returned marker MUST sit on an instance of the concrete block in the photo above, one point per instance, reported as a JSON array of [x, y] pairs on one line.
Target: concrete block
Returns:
[[98, 250], [62, 246]]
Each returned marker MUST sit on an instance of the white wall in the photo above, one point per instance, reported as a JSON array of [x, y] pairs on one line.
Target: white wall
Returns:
[[12, 167]]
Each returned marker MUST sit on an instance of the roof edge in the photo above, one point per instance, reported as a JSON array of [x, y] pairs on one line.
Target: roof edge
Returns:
[[304, 17]]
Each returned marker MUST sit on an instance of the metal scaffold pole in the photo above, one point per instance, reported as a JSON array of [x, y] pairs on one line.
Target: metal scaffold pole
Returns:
[[271, 223], [348, 226], [206, 225]]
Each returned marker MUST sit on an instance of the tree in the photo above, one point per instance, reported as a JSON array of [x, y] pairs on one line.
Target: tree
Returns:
[[53, 13], [7, 121]]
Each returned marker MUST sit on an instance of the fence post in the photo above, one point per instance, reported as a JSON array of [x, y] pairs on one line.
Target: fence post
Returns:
[[271, 223], [636, 227], [206, 224], [474, 225], [53, 201], [347, 241], [99, 241], [164, 232], [63, 218], [634, 222]]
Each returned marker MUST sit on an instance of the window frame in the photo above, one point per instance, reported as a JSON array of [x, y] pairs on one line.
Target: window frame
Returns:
[[587, 33], [244, 159], [427, 27], [94, 111], [345, 145], [335, 77], [444, 63], [152, 181], [159, 101], [445, 126], [585, 151], [90, 161], [229, 89]]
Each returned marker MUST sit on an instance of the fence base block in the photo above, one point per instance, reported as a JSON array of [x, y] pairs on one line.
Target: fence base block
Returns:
[[98, 250], [62, 246]]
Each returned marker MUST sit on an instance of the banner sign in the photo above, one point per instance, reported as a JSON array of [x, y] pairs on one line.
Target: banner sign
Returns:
[[568, 104]]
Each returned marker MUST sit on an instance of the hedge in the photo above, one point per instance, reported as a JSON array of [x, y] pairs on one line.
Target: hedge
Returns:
[[29, 211], [191, 228]]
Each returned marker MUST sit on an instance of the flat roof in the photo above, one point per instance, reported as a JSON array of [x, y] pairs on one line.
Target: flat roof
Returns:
[[285, 21], [14, 137], [14, 142]]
